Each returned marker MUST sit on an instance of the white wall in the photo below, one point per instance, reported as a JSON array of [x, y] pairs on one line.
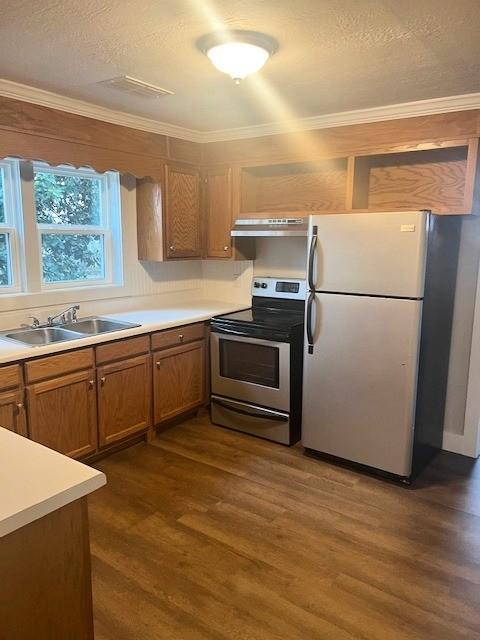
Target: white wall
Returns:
[[461, 420], [285, 257]]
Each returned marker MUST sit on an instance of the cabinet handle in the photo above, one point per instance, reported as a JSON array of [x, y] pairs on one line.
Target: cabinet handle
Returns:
[[180, 337], [102, 380], [157, 364], [91, 384], [226, 248]]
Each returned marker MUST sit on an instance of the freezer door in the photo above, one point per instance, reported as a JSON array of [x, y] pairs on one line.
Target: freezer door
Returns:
[[375, 253], [359, 385]]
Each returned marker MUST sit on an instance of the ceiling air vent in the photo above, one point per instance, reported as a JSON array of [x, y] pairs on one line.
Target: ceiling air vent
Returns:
[[137, 87]]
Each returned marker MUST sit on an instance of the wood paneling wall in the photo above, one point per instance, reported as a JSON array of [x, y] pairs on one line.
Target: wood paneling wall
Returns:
[[359, 139], [39, 133]]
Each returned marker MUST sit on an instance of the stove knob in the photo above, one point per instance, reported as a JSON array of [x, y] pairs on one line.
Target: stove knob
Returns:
[[256, 285], [264, 285]]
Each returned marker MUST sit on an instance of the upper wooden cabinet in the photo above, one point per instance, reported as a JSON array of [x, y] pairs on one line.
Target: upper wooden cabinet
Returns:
[[182, 220], [437, 176], [169, 224], [218, 218]]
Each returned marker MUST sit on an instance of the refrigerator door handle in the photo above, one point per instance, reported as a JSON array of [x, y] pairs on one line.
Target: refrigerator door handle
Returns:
[[310, 301], [311, 259]]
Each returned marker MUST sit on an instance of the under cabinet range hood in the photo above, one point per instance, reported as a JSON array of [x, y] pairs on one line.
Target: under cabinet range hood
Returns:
[[270, 227]]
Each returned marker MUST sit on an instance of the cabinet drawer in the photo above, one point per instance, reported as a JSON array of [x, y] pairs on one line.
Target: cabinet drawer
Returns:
[[179, 335], [54, 366], [122, 349], [10, 377]]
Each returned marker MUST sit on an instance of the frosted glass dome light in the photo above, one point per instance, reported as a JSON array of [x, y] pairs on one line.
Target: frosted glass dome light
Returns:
[[238, 53]]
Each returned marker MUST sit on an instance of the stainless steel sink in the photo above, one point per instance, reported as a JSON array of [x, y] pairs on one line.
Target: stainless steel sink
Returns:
[[41, 336], [94, 326]]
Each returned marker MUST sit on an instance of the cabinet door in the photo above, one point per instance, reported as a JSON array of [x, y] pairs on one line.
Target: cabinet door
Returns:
[[62, 413], [124, 398], [219, 213], [182, 212], [178, 380], [12, 411]]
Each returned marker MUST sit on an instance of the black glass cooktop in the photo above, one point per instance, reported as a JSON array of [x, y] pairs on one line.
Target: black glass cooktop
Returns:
[[265, 317]]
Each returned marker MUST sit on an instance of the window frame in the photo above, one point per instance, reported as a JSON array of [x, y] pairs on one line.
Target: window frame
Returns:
[[104, 229], [13, 225]]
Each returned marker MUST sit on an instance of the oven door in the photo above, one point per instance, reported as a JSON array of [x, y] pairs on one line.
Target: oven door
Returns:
[[251, 369]]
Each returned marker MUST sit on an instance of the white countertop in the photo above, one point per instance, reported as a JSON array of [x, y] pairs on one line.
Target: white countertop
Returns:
[[35, 481], [150, 320]]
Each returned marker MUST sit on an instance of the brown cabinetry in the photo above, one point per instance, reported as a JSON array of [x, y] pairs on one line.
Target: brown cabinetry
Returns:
[[12, 410], [182, 223], [178, 380], [62, 413], [218, 218], [124, 397]]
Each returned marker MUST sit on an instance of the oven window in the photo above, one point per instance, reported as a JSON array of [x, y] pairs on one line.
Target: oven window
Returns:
[[249, 362]]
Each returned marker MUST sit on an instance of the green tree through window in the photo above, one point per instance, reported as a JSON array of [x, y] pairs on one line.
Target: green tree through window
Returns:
[[66, 203]]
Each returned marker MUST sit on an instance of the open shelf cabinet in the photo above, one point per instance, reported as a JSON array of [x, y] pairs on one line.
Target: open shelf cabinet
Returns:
[[439, 177]]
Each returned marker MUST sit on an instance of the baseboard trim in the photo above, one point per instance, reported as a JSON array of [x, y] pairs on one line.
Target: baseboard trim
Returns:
[[459, 443]]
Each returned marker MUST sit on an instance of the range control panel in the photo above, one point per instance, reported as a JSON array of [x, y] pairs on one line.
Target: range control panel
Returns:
[[269, 287]]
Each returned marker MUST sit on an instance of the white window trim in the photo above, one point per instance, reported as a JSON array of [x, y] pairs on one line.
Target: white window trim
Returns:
[[110, 226], [13, 225], [25, 235]]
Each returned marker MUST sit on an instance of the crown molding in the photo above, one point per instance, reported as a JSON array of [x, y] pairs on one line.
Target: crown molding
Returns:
[[463, 102], [17, 91], [44, 98]]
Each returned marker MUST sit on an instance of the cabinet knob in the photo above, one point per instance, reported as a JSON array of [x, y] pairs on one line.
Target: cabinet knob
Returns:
[[226, 248], [180, 337], [102, 380], [157, 364], [19, 405], [91, 384], [172, 248]]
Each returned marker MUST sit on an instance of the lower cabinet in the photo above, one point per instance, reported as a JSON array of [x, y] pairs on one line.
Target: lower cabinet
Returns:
[[63, 412], [178, 380], [12, 411], [124, 398]]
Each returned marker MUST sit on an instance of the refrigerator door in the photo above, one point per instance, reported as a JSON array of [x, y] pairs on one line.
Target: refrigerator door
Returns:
[[359, 384], [373, 254]]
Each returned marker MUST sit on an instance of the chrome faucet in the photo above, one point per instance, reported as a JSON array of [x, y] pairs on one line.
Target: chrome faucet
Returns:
[[72, 315], [34, 325]]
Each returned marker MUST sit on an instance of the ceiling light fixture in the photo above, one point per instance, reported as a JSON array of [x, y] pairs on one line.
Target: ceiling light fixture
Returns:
[[237, 53]]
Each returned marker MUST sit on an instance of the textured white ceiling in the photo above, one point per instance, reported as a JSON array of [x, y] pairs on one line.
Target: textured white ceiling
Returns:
[[334, 55]]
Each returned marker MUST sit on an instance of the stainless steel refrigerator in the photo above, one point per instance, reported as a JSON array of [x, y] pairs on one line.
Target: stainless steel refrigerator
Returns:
[[378, 323]]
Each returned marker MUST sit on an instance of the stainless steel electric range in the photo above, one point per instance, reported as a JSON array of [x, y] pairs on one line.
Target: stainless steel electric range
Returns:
[[256, 362]]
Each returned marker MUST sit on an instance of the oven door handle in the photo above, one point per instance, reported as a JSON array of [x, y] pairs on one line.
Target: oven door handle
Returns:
[[264, 416]]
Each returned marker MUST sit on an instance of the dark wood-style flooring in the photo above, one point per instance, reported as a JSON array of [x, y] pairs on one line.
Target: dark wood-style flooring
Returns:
[[207, 534]]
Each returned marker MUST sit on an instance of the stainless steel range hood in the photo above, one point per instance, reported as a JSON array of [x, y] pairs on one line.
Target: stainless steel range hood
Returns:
[[270, 227]]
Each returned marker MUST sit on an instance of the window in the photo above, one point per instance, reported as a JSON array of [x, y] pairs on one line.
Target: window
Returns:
[[72, 226], [72, 215], [9, 272]]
